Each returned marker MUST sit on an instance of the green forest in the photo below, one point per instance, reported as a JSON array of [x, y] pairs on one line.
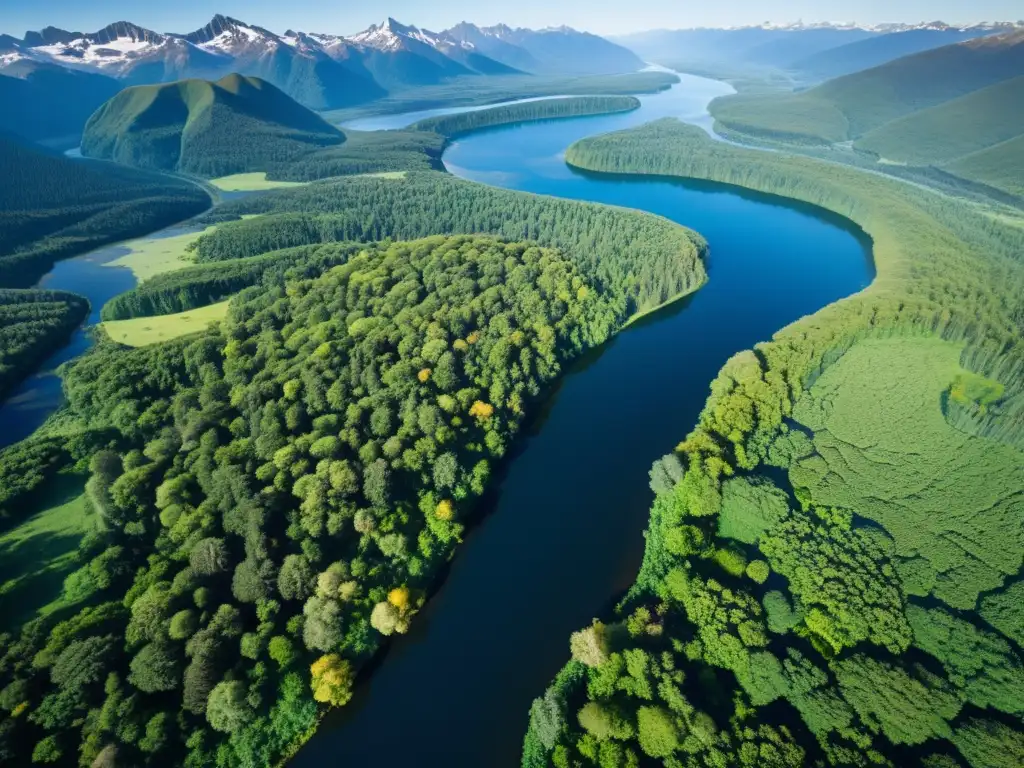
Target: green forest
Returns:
[[640, 261], [452, 126], [213, 540], [841, 531], [32, 324], [52, 208], [956, 109], [235, 125], [276, 496]]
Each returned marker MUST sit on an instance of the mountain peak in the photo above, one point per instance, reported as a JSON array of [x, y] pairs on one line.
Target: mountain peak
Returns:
[[125, 30], [225, 34], [390, 35], [50, 36]]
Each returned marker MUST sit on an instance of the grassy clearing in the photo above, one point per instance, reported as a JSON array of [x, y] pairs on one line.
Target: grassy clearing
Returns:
[[250, 182], [36, 556], [143, 331], [153, 256], [885, 451]]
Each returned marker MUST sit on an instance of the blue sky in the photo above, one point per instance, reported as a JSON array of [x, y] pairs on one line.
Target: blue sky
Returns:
[[601, 16]]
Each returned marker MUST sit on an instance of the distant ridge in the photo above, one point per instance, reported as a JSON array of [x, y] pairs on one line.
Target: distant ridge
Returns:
[[321, 71]]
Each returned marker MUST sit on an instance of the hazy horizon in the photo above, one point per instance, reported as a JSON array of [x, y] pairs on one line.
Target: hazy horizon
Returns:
[[600, 17]]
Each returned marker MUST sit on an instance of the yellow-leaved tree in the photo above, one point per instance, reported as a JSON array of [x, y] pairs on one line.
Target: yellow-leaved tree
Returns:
[[332, 680], [399, 597], [481, 410], [445, 510]]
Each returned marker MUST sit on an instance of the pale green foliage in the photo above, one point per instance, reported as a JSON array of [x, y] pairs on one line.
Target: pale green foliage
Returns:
[[657, 731], [604, 721], [749, 508], [227, 709], [943, 495], [590, 645]]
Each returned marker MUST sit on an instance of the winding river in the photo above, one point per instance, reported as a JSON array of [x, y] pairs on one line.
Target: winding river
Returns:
[[563, 535]]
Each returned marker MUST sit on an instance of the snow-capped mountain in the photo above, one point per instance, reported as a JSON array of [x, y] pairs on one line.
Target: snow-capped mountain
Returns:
[[121, 50], [322, 71], [883, 28], [225, 36], [561, 50]]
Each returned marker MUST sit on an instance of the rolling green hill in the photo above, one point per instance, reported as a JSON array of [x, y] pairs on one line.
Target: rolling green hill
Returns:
[[235, 125], [1001, 166], [953, 129], [849, 107], [53, 207]]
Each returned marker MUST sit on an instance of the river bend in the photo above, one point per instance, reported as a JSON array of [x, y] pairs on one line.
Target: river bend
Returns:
[[563, 535]]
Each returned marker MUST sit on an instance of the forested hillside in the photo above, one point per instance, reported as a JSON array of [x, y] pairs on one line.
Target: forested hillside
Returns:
[[954, 129], [277, 496], [366, 152], [848, 107], [841, 532], [32, 324], [1000, 166], [235, 125], [640, 261], [49, 103], [452, 126], [52, 207]]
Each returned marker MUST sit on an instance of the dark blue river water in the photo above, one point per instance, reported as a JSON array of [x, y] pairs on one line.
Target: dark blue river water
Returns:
[[563, 536], [90, 275]]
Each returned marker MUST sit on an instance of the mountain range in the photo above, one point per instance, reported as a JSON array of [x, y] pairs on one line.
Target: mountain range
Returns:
[[958, 108], [811, 52], [319, 70]]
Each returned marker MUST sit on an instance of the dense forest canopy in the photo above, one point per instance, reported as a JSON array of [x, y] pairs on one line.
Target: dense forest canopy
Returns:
[[52, 207], [32, 323], [842, 529], [455, 125], [639, 258], [277, 495]]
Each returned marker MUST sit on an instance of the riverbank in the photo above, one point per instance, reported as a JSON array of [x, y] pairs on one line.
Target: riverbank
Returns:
[[566, 518], [943, 271]]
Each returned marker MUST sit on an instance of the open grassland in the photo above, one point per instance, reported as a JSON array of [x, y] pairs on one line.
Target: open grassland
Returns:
[[143, 331], [151, 256], [38, 554], [250, 182]]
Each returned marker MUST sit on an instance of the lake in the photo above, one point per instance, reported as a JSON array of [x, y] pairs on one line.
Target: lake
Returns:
[[563, 533]]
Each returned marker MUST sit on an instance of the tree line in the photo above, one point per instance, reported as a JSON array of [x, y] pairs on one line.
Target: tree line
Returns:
[[32, 325], [52, 208], [452, 126], [643, 259]]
